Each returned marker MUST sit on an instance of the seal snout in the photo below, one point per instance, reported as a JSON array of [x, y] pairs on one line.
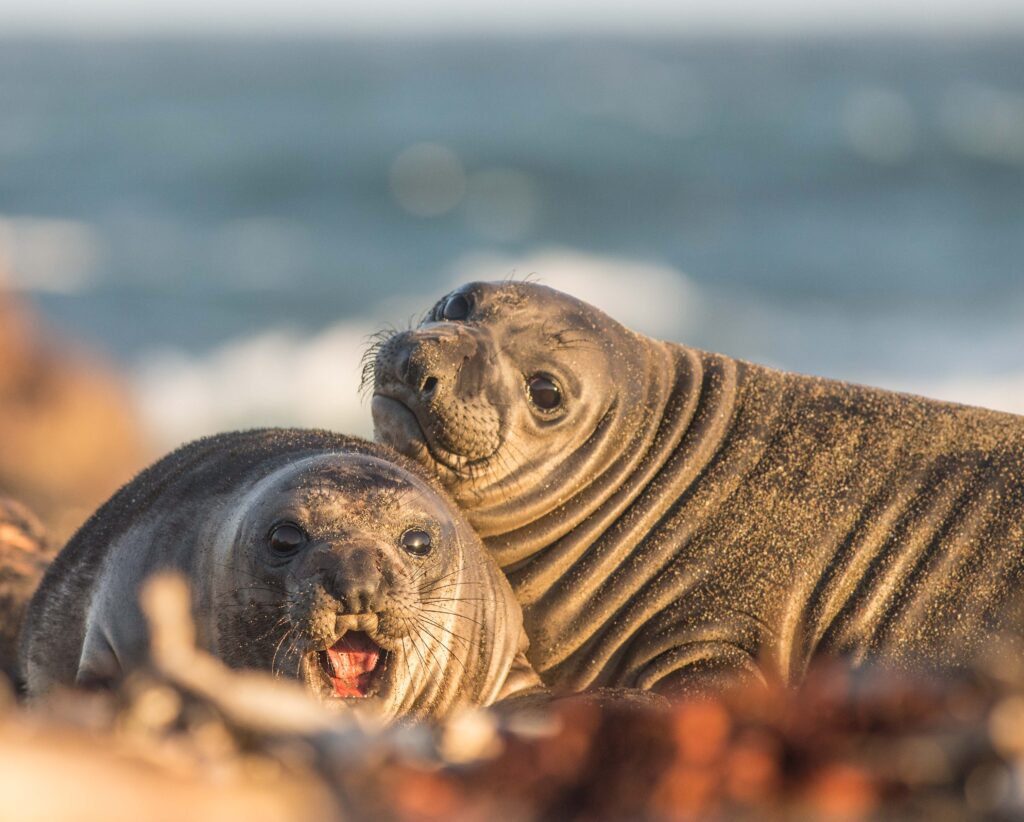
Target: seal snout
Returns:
[[425, 363], [352, 595], [355, 580], [430, 391]]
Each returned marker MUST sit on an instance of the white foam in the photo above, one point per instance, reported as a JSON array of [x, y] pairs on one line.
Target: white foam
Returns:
[[276, 378], [282, 377]]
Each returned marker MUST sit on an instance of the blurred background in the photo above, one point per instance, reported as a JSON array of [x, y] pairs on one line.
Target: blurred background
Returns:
[[204, 211]]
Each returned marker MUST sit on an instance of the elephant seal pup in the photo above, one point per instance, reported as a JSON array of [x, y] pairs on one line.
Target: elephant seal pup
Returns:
[[671, 518], [310, 554]]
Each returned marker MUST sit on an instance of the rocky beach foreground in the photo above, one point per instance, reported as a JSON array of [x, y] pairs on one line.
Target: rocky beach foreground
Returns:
[[189, 739]]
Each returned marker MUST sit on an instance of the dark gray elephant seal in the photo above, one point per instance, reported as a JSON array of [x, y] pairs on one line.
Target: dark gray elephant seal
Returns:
[[669, 517], [310, 554]]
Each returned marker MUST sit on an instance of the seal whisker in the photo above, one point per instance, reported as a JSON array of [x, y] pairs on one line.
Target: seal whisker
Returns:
[[368, 361], [448, 576], [452, 598], [440, 641], [298, 658], [443, 577], [451, 613], [446, 592], [423, 662], [277, 650], [433, 655], [440, 589], [443, 628], [283, 620], [465, 565], [428, 647]]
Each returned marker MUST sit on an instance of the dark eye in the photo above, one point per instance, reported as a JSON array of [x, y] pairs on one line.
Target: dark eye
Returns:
[[416, 542], [456, 308], [286, 538], [544, 392]]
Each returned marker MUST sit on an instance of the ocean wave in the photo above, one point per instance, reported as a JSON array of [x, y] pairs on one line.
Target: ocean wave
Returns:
[[275, 378], [282, 377]]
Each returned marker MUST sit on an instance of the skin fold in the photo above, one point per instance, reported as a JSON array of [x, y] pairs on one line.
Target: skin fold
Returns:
[[298, 545], [672, 519]]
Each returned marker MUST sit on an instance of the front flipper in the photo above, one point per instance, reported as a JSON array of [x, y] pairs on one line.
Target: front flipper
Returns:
[[98, 666], [521, 678]]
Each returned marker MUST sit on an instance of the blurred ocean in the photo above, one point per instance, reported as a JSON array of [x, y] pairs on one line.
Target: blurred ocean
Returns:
[[229, 218]]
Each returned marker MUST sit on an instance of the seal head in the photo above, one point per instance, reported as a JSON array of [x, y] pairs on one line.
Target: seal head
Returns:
[[365, 585], [500, 386], [312, 555]]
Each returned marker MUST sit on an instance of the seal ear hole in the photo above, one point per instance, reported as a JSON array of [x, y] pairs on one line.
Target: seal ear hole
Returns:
[[417, 542], [286, 538], [544, 392]]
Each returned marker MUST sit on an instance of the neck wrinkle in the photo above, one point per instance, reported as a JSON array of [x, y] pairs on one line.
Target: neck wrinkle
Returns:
[[671, 423], [535, 555], [533, 517], [590, 610]]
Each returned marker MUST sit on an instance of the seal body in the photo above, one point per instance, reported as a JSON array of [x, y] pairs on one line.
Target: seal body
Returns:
[[310, 554], [670, 518]]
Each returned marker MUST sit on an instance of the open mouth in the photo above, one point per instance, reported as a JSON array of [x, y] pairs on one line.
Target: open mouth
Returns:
[[353, 665]]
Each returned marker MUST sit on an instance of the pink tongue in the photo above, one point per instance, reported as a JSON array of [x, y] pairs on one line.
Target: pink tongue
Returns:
[[353, 658]]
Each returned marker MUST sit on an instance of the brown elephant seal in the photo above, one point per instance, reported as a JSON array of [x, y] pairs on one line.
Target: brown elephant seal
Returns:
[[314, 555], [24, 557], [668, 517]]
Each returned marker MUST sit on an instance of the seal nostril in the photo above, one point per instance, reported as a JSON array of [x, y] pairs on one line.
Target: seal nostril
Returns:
[[429, 384]]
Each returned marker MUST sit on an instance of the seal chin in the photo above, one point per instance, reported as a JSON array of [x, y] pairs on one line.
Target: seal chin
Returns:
[[397, 425]]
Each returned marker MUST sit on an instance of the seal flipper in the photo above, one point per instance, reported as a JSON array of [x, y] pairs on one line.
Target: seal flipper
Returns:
[[521, 678], [98, 666]]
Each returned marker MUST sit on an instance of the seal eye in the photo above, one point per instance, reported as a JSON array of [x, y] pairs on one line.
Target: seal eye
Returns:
[[416, 542], [456, 308], [544, 392], [286, 539]]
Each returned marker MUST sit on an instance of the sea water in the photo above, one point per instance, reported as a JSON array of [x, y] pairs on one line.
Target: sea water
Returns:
[[228, 218]]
